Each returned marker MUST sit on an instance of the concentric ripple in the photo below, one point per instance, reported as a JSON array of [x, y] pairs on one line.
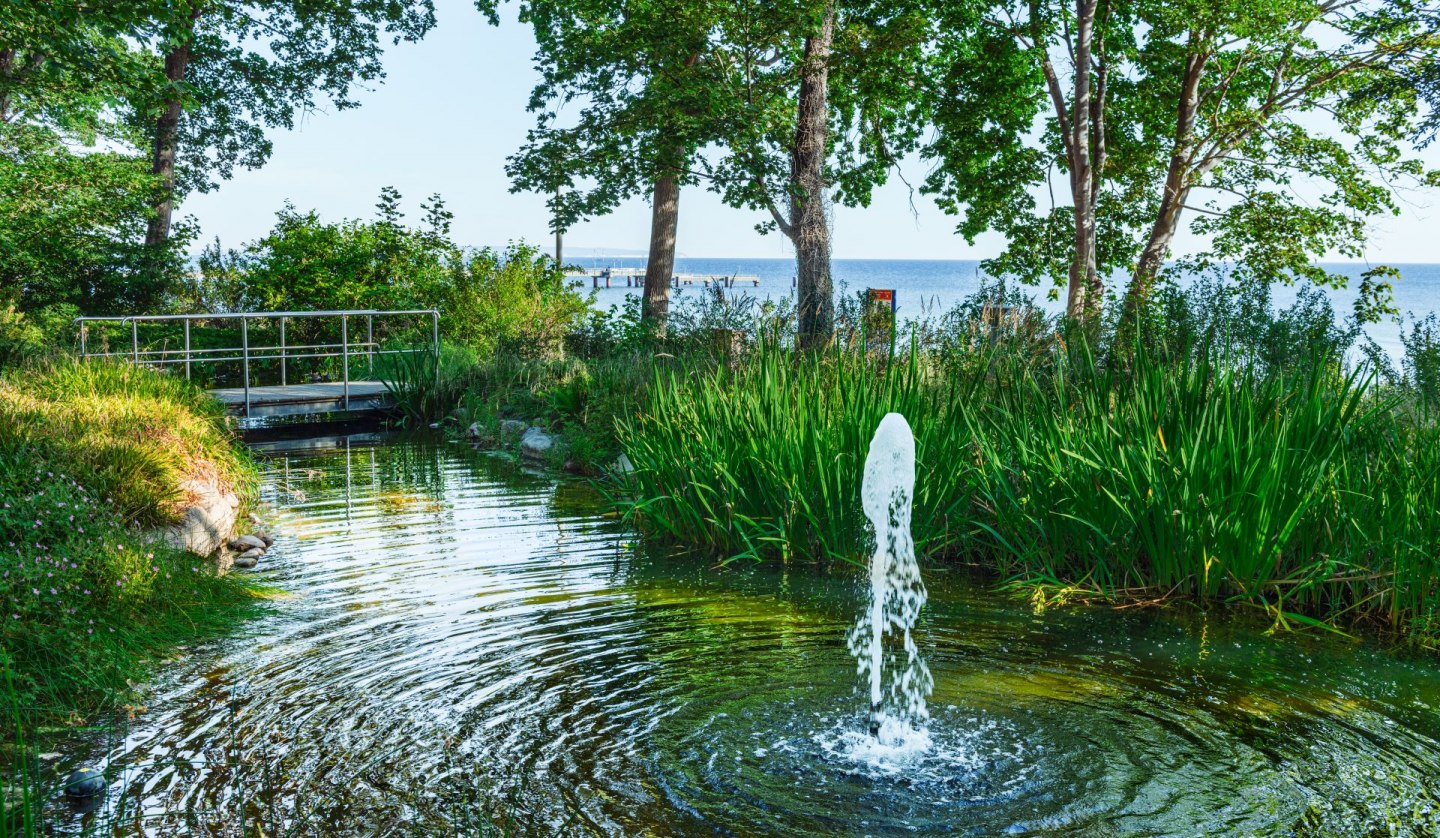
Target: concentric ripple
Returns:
[[467, 644]]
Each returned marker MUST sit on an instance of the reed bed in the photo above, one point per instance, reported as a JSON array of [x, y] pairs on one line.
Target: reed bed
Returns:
[[1301, 490]]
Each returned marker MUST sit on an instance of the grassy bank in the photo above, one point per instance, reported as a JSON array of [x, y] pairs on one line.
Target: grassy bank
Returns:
[[91, 459]]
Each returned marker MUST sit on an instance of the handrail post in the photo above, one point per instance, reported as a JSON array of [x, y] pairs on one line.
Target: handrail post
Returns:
[[435, 339], [83, 353], [187, 350], [345, 355], [134, 342], [245, 355], [283, 381], [370, 346]]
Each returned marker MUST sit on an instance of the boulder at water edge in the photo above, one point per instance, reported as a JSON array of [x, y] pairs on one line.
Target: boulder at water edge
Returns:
[[536, 444]]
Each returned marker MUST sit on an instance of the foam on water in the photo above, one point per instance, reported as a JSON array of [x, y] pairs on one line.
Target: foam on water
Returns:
[[888, 660]]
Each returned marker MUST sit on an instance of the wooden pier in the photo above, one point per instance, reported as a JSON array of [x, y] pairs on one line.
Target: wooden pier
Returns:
[[635, 278]]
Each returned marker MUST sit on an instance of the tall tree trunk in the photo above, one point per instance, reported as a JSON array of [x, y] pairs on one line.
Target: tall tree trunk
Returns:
[[166, 131], [1083, 274], [664, 221], [809, 224], [1176, 190]]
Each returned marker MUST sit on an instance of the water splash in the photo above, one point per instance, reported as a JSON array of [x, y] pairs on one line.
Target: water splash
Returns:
[[898, 680]]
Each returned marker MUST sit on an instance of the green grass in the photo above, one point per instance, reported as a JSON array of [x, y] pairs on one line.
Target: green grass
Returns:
[[91, 458], [1308, 494], [130, 435]]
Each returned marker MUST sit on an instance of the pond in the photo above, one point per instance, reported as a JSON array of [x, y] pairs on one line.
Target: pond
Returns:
[[465, 644]]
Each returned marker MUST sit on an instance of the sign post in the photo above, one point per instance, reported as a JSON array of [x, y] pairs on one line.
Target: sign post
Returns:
[[879, 318]]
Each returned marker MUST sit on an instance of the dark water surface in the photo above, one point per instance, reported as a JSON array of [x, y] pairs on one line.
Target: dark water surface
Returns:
[[465, 640]]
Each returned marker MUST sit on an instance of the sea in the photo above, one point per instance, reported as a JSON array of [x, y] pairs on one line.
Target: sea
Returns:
[[925, 287]]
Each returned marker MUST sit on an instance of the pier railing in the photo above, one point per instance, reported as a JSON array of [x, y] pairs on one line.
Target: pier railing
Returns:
[[350, 348]]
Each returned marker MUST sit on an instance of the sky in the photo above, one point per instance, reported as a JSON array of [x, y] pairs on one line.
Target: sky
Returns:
[[452, 108]]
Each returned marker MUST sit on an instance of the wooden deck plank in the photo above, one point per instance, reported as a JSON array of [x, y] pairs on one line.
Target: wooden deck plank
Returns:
[[326, 392]]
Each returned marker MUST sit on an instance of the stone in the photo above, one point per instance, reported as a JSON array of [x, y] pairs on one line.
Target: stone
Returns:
[[536, 444], [623, 466], [253, 518], [84, 782], [474, 431], [265, 537], [434, 426], [252, 553], [246, 562], [510, 428], [208, 519], [247, 542]]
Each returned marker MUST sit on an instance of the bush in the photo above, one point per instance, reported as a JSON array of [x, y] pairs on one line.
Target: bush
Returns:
[[514, 301], [1422, 359]]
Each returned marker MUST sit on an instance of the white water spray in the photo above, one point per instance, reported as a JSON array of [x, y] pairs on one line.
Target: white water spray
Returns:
[[898, 679]]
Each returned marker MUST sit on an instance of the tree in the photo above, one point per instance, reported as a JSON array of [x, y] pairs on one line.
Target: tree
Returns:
[[1153, 106], [234, 68], [826, 98], [72, 221], [69, 63], [646, 74], [72, 227], [1269, 97]]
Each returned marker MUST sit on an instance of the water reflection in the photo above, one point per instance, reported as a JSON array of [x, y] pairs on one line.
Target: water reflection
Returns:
[[470, 642]]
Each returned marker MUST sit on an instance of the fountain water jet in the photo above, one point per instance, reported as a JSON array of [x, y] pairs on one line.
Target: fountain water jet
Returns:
[[898, 680]]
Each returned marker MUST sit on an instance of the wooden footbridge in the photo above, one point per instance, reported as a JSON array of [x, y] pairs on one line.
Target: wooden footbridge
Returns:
[[268, 363]]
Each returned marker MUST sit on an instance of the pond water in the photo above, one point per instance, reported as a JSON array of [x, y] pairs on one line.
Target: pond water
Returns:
[[465, 643]]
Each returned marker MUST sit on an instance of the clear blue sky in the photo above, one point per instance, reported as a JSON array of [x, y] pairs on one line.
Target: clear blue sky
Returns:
[[453, 108]]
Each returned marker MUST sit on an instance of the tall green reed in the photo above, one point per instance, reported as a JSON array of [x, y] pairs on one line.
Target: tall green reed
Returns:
[[1299, 489]]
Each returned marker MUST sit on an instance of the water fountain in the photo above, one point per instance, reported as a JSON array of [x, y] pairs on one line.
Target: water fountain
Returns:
[[897, 678]]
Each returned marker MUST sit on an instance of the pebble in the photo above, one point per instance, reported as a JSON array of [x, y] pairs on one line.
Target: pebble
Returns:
[[84, 782], [246, 562], [247, 542]]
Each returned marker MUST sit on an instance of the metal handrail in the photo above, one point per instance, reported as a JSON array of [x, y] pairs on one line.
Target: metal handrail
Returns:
[[247, 353]]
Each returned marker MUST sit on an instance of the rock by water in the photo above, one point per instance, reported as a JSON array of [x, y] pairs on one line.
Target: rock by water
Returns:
[[536, 444]]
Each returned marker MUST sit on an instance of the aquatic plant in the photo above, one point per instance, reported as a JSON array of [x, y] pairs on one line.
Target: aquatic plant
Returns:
[[1297, 490]]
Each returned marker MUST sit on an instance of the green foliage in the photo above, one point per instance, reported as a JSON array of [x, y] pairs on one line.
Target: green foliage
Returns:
[[652, 88], [307, 264], [513, 301], [72, 228], [1422, 358], [510, 300], [1246, 477], [254, 66], [1279, 140]]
